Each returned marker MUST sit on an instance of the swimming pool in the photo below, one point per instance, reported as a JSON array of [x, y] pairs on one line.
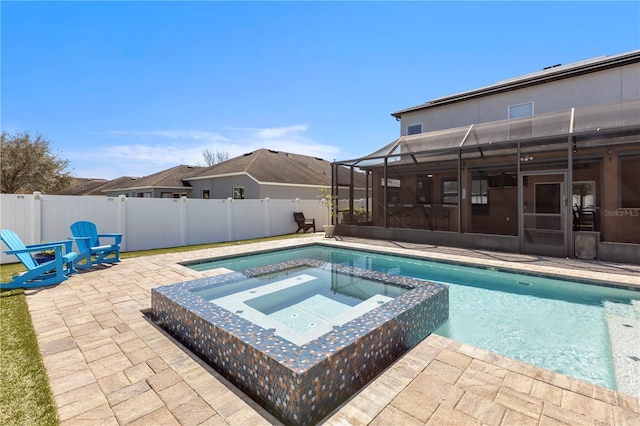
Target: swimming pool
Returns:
[[564, 326]]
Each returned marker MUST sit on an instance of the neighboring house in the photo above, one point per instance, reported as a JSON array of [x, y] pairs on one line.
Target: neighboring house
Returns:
[[546, 163], [168, 183], [266, 173]]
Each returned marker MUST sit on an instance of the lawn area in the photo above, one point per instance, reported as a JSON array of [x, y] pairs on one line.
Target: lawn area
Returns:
[[25, 396]]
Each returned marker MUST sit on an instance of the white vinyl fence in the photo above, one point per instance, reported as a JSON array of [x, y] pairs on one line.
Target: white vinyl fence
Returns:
[[148, 223]]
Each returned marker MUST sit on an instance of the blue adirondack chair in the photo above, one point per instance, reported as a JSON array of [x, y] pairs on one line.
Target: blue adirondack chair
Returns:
[[39, 274], [92, 252]]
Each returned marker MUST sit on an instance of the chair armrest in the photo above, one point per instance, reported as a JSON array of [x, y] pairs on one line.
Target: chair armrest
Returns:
[[68, 245], [39, 247], [50, 245], [116, 237]]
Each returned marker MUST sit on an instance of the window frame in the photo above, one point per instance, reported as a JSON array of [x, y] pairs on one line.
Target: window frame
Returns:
[[480, 207], [238, 190], [409, 133], [445, 193], [511, 116]]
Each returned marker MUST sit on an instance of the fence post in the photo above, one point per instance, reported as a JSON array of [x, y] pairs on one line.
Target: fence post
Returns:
[[36, 220], [122, 220], [267, 215], [183, 220], [229, 219]]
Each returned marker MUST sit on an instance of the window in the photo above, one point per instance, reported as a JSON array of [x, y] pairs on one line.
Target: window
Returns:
[[423, 189], [520, 123], [479, 191], [206, 194], [630, 183], [449, 191], [172, 195], [584, 195], [414, 129], [143, 195], [480, 195], [238, 192], [521, 110]]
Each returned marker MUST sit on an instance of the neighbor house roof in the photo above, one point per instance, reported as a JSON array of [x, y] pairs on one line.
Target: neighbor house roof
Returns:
[[548, 74], [173, 178], [269, 166], [82, 186]]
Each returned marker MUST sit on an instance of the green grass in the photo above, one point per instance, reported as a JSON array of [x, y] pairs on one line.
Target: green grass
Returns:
[[25, 396]]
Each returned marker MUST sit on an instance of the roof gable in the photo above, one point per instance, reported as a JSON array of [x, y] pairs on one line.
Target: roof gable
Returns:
[[269, 166]]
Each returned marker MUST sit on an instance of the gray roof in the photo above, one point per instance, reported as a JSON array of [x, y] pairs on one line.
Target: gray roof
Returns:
[[174, 177], [269, 166], [554, 72], [83, 186]]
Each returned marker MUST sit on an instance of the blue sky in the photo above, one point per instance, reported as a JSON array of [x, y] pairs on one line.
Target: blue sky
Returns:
[[133, 88]]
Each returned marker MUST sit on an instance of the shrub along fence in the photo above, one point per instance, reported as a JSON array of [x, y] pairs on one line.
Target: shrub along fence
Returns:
[[148, 223]]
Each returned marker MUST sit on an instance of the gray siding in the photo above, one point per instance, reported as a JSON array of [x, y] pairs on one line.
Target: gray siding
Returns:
[[289, 192], [608, 86]]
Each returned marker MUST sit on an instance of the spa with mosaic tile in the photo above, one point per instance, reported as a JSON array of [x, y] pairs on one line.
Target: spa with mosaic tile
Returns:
[[302, 376]]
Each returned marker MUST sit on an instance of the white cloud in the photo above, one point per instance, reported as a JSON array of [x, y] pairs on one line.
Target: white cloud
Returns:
[[280, 132], [173, 134], [127, 154]]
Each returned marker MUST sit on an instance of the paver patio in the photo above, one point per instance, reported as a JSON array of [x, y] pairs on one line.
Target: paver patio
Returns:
[[108, 365]]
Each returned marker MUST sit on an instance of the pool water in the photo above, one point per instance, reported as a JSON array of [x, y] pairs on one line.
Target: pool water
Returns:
[[301, 304], [554, 324]]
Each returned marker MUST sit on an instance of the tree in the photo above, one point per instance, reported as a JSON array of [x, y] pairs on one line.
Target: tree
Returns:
[[28, 165], [212, 158]]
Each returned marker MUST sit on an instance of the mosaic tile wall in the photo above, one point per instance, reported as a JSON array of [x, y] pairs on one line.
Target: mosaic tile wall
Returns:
[[300, 384]]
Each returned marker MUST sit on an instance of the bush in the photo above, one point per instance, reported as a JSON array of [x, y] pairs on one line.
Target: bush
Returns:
[[359, 215]]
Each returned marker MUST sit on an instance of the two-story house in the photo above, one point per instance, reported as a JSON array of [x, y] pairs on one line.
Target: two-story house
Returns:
[[546, 163]]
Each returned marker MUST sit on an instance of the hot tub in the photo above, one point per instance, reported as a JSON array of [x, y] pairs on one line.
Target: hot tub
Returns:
[[300, 337]]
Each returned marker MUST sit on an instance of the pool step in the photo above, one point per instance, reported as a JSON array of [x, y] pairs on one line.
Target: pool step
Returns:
[[623, 322]]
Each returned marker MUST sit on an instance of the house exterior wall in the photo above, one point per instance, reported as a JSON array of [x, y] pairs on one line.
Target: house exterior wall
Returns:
[[289, 192], [222, 187], [153, 193], [519, 191], [608, 86]]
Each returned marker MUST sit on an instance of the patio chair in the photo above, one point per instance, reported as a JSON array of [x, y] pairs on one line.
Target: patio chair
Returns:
[[92, 252], [304, 224], [43, 274]]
